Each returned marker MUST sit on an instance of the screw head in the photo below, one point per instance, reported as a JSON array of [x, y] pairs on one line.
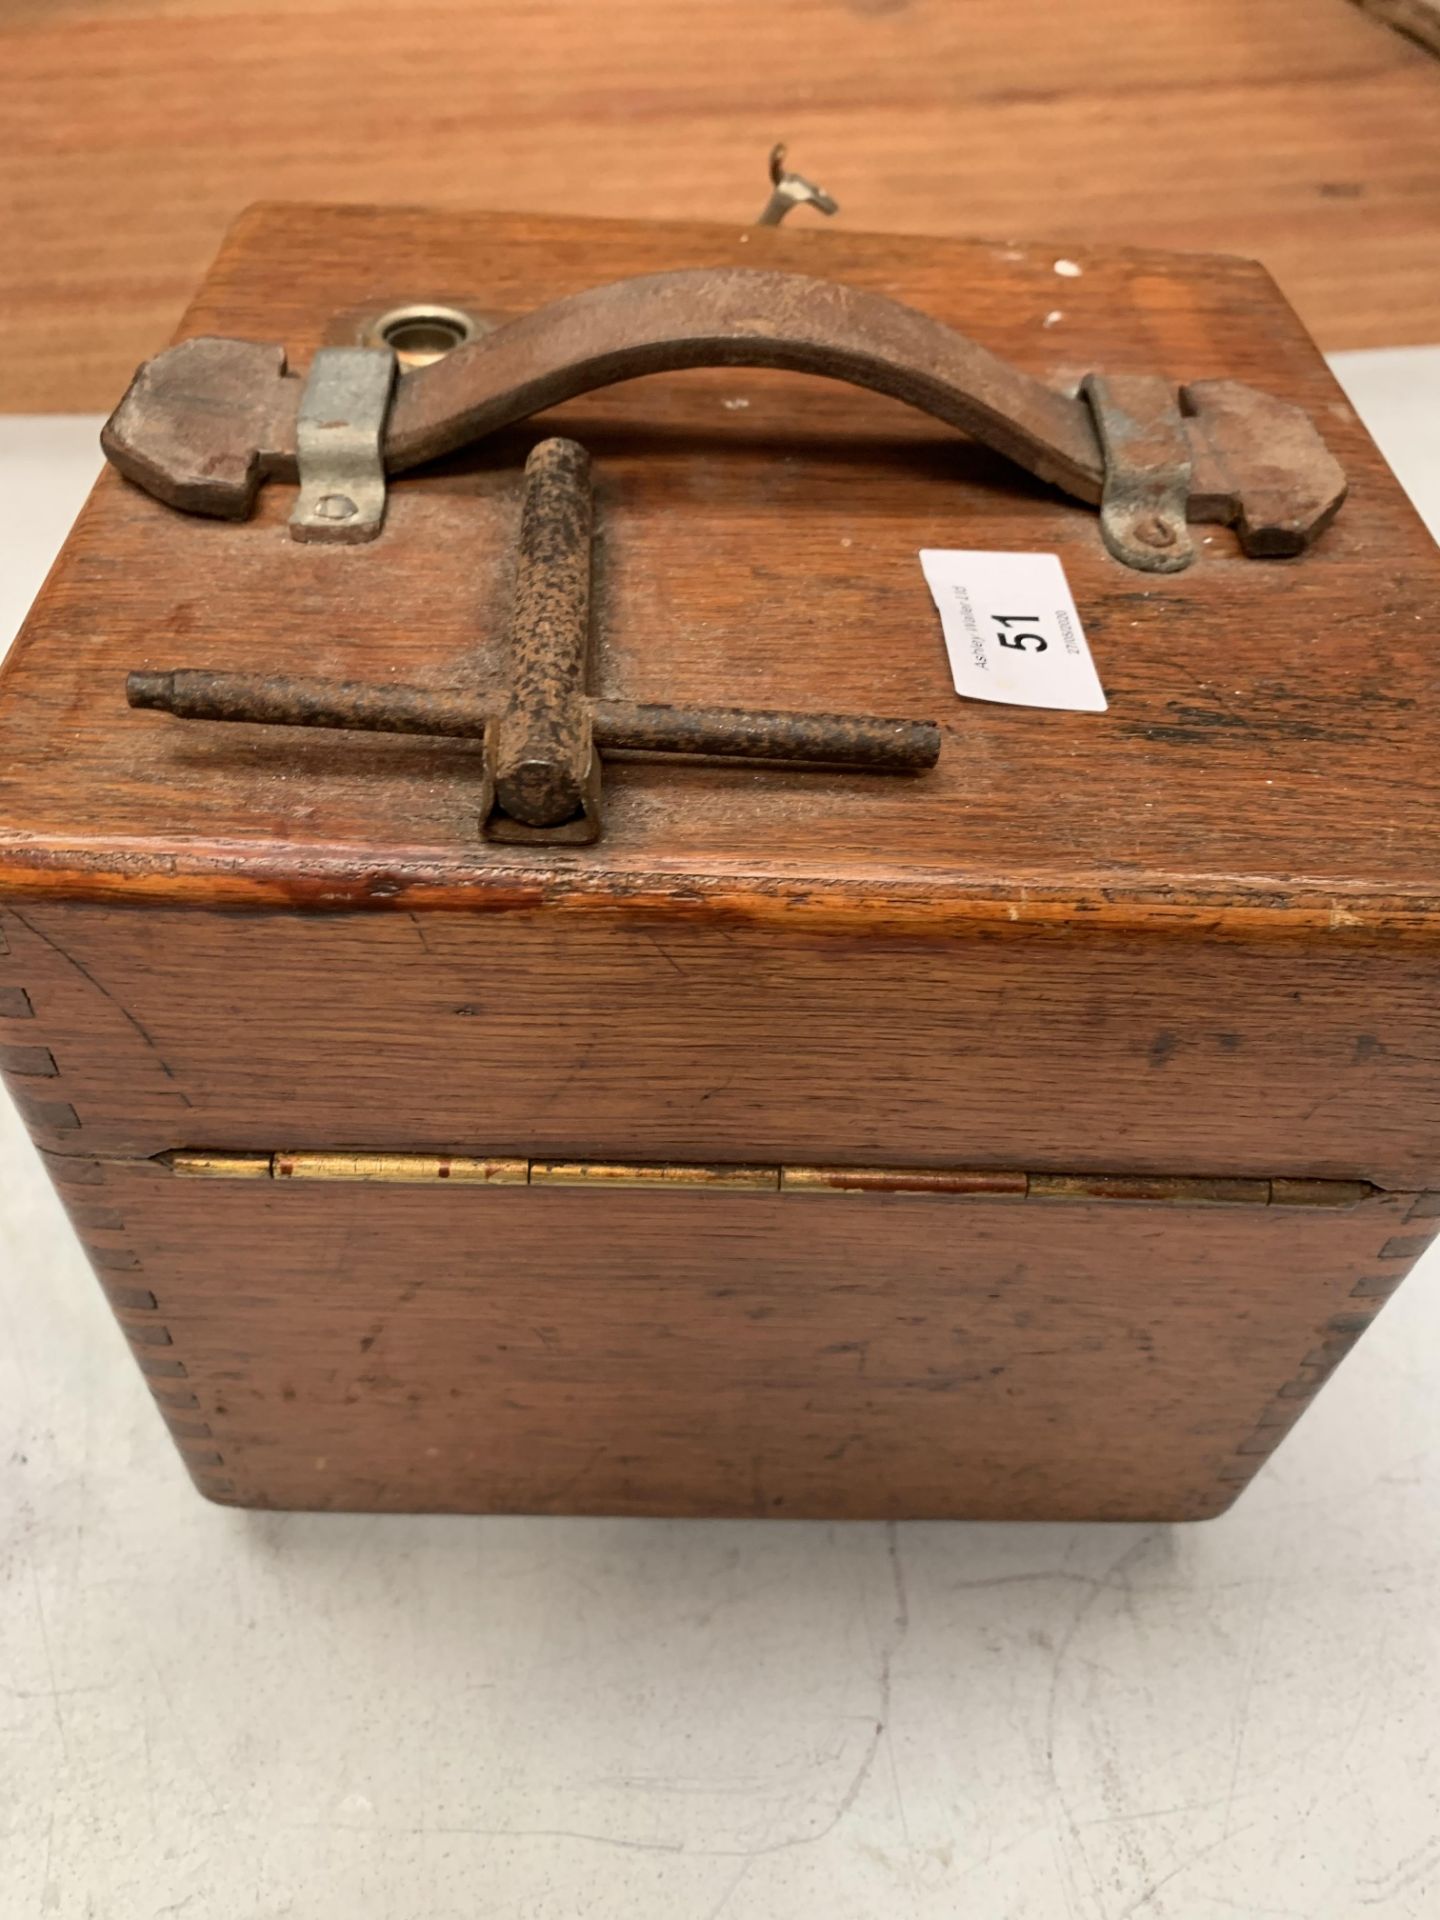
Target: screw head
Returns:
[[1156, 532], [335, 506]]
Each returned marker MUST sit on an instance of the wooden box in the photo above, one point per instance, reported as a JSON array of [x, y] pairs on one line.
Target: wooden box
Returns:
[[1024, 1139]]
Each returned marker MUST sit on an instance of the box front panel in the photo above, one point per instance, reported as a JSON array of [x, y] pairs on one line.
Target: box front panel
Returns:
[[381, 1346], [670, 1037]]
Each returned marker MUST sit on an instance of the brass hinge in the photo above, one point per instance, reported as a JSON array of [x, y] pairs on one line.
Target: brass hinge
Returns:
[[981, 1183]]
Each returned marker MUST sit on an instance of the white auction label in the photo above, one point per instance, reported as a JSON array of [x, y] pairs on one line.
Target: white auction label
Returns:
[[1011, 629]]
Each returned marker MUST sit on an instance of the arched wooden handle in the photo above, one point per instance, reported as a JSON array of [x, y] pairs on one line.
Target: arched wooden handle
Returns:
[[731, 317], [206, 421]]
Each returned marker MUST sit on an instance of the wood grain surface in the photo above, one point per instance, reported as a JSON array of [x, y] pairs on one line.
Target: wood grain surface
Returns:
[[1266, 755], [640, 1033], [544, 1351], [1299, 131]]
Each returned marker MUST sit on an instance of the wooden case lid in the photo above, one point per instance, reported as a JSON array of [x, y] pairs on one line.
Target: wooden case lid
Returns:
[[1268, 755]]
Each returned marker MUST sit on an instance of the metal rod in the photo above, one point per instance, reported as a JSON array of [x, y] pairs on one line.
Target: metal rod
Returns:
[[275, 700], [543, 746], [825, 739], [819, 739]]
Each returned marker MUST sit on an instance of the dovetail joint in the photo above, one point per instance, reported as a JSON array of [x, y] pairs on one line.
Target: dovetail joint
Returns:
[[141, 1321], [1337, 1337]]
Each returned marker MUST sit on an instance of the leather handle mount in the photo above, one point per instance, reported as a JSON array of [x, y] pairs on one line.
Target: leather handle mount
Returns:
[[206, 421]]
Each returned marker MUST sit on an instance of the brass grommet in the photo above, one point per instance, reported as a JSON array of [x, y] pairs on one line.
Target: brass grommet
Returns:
[[423, 332]]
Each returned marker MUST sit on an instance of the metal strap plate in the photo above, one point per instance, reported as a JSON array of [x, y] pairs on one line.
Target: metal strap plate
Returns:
[[338, 436], [1147, 470]]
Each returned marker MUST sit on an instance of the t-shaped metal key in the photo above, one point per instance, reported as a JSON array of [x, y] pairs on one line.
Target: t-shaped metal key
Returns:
[[543, 739]]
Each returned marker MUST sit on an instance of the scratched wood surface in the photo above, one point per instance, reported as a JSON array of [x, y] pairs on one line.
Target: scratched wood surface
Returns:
[[1298, 131], [728, 1355], [645, 1033], [1264, 754]]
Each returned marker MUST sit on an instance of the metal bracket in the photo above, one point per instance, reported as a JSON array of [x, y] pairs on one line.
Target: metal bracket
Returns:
[[1146, 492], [339, 439]]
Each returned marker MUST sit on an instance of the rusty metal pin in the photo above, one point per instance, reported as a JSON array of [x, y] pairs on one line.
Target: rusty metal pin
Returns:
[[818, 739], [864, 741], [543, 751]]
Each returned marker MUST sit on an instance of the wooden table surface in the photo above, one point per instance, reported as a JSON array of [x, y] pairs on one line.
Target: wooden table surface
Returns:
[[1300, 131]]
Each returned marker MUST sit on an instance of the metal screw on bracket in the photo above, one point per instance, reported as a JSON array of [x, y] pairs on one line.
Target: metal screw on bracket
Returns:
[[1156, 533], [791, 190]]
